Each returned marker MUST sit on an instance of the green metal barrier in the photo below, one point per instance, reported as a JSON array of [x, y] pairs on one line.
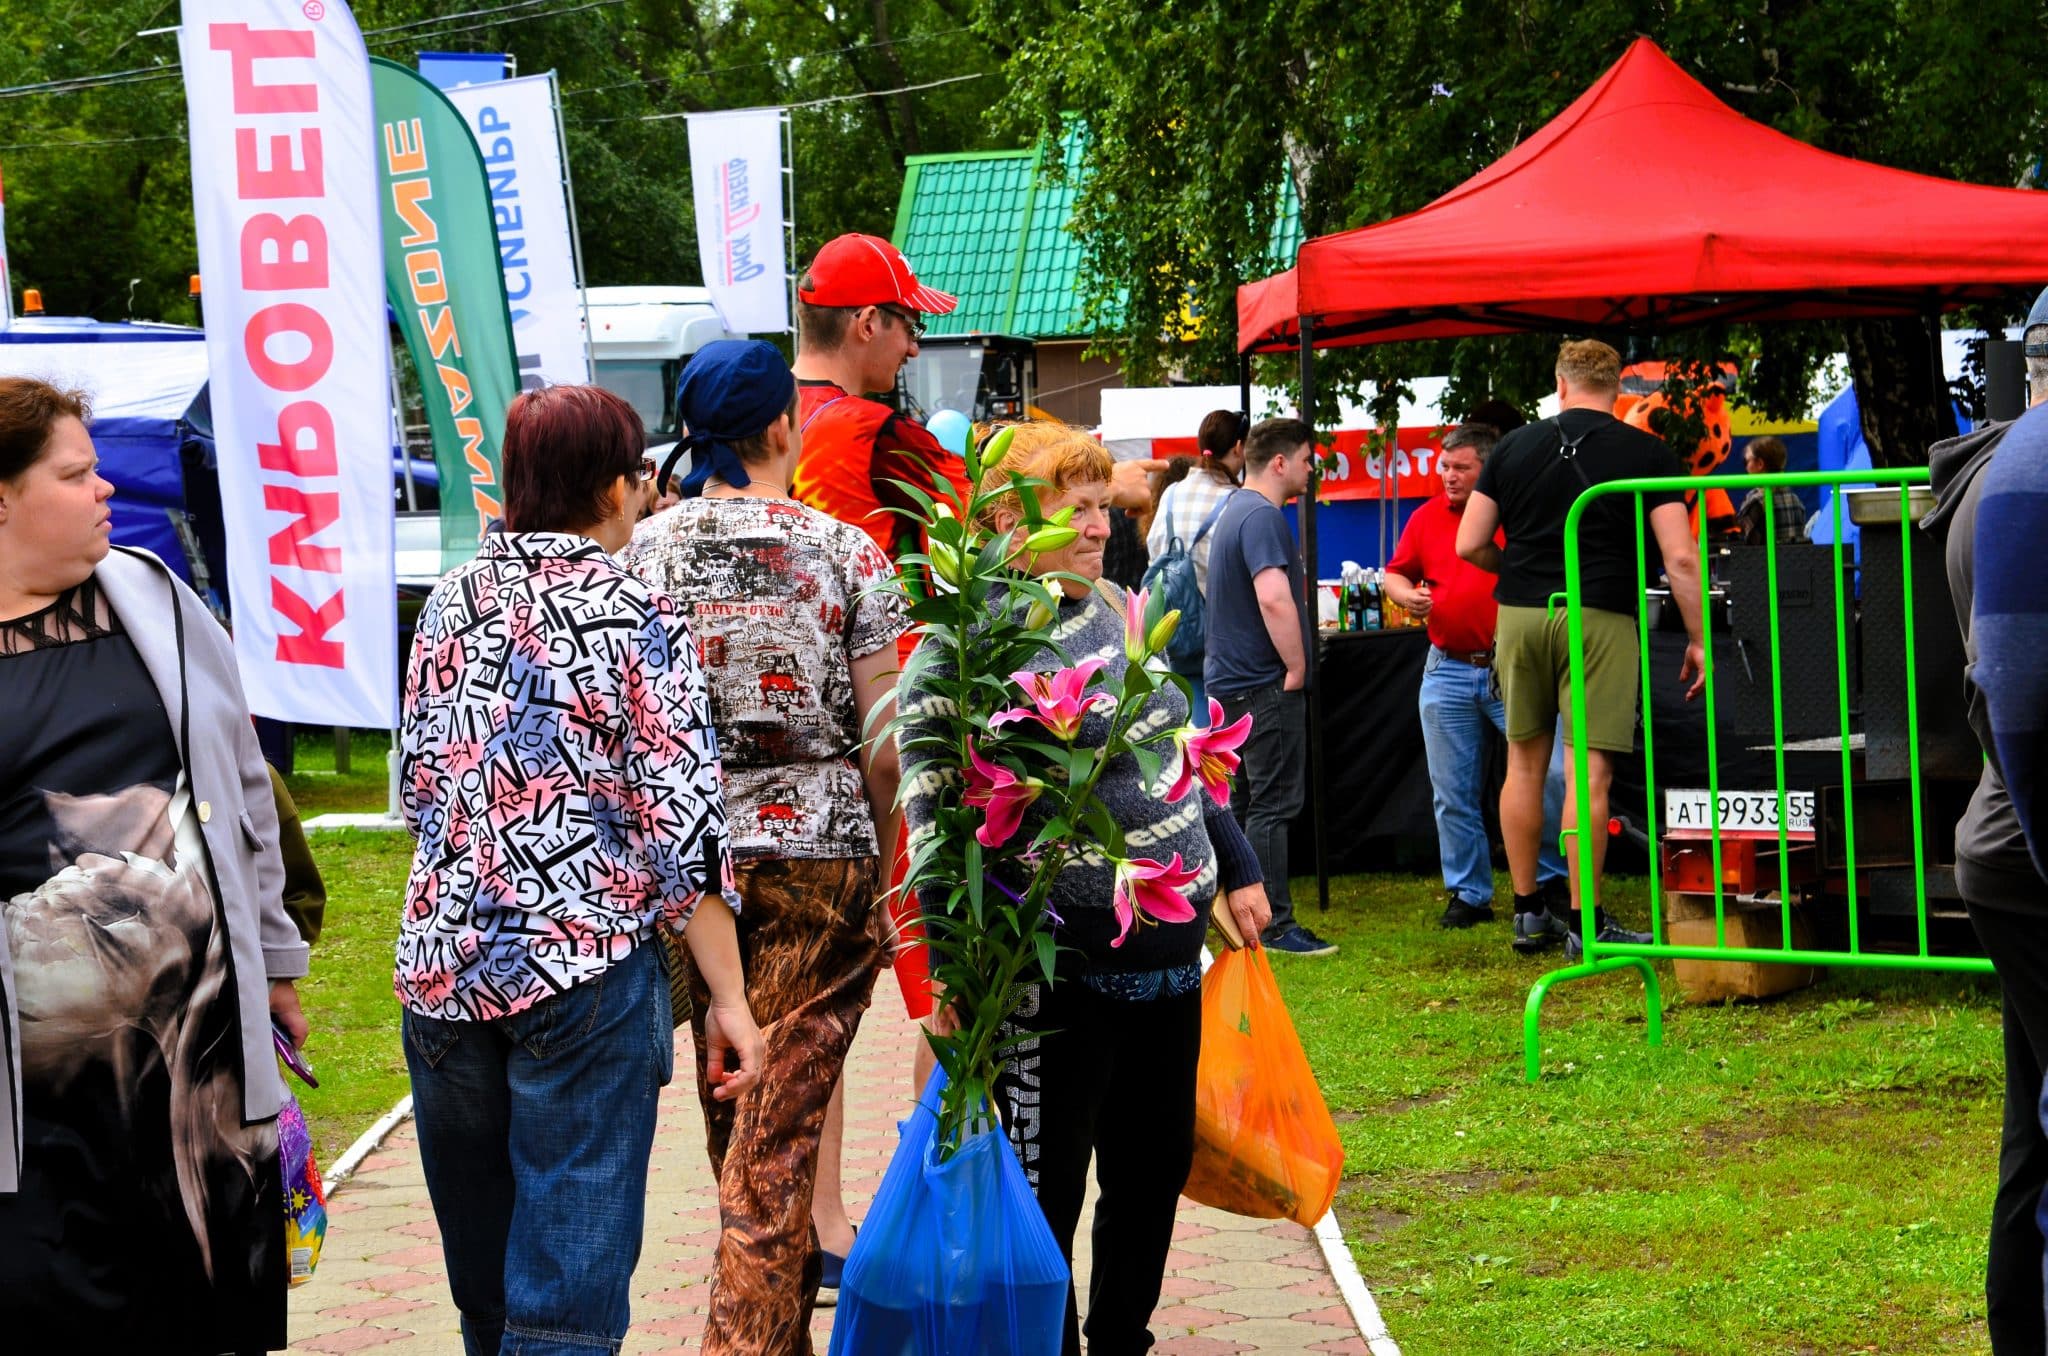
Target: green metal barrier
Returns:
[[1601, 958]]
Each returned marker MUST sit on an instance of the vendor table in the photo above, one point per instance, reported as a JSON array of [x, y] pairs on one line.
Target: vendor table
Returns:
[[1378, 814]]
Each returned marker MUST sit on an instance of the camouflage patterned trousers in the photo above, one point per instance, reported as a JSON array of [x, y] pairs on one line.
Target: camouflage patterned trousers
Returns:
[[811, 935]]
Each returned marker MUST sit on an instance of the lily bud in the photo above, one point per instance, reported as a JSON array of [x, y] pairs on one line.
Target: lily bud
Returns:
[[1038, 616], [1063, 517], [945, 563], [1051, 539], [1162, 631], [998, 446]]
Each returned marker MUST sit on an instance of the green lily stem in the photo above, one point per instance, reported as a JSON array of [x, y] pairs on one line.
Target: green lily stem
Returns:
[[965, 1096]]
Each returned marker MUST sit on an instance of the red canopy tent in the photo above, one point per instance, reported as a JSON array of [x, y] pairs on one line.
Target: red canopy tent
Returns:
[[1648, 204]]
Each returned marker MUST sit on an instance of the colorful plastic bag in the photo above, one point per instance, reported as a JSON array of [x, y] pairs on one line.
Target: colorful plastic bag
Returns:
[[1265, 1145], [305, 1198], [954, 1258]]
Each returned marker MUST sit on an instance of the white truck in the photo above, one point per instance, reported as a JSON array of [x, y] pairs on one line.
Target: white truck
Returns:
[[640, 338]]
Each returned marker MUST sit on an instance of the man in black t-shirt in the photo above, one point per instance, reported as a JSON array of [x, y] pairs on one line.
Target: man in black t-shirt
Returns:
[[1527, 488]]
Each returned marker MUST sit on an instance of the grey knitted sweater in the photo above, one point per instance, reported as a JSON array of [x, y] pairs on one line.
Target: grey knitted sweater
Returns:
[[1204, 834]]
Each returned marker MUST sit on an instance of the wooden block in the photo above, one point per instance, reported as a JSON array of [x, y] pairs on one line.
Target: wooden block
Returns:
[[1751, 926]]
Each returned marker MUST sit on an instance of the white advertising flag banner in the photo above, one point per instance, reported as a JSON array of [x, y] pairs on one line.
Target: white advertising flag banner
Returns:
[[285, 199], [514, 125], [736, 179]]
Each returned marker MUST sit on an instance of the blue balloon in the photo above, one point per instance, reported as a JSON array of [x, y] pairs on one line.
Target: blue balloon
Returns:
[[952, 429]]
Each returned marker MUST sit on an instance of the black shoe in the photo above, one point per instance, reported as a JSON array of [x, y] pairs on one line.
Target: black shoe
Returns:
[[1296, 940], [1608, 931], [1459, 914]]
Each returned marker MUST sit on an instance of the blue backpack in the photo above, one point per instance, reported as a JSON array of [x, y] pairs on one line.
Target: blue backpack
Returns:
[[1172, 577]]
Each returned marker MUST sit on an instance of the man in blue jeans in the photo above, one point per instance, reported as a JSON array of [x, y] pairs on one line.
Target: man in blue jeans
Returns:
[[1258, 657], [1458, 702]]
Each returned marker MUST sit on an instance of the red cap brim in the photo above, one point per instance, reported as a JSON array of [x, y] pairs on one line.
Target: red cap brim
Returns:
[[931, 300]]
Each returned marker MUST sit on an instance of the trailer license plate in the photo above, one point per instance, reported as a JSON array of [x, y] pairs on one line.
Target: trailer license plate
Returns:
[[1741, 811]]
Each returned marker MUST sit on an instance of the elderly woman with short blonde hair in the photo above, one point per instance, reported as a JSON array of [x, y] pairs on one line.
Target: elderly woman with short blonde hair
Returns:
[[1112, 1074]]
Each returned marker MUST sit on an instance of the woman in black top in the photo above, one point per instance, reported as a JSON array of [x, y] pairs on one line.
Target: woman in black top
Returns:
[[140, 1190]]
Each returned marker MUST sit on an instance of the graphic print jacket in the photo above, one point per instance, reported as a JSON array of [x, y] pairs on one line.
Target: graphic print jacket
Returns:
[[558, 765]]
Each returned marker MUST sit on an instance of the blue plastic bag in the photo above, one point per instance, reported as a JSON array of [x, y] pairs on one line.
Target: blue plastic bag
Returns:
[[954, 1258]]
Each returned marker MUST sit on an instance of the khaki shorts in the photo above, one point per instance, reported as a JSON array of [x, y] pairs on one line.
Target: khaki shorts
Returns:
[[1532, 663]]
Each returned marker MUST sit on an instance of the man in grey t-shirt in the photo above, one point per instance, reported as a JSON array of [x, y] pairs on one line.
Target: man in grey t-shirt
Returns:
[[1257, 661]]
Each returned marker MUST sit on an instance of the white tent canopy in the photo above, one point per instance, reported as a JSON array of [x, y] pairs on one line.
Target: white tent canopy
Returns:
[[1133, 416], [131, 371]]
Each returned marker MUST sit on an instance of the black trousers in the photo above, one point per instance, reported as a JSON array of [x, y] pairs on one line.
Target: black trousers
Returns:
[[1271, 782], [2017, 942], [1114, 1079]]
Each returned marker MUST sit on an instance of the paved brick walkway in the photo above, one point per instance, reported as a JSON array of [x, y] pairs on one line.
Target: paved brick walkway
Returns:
[[1233, 1285]]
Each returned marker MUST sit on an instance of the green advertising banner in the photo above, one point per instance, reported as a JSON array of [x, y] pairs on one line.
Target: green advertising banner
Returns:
[[442, 276]]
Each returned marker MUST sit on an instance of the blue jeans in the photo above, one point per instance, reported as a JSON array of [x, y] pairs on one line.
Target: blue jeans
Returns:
[[535, 1131], [1457, 705]]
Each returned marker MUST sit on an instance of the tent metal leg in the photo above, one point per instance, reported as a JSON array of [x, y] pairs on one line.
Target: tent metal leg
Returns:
[[1313, 601]]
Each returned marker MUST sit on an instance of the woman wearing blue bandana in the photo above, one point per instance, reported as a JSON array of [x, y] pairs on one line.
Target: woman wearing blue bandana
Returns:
[[796, 616]]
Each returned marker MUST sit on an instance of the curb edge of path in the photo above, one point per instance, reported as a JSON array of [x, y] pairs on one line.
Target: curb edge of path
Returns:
[[1351, 1285], [366, 1144]]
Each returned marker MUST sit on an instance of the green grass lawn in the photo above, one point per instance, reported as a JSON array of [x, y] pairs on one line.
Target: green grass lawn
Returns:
[[317, 789], [353, 1042], [353, 1045], [1811, 1174]]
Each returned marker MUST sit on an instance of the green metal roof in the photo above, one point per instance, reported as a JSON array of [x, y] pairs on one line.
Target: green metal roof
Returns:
[[986, 227]]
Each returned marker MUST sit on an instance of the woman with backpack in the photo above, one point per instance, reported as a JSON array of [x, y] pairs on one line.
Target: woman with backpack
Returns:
[[1180, 539]]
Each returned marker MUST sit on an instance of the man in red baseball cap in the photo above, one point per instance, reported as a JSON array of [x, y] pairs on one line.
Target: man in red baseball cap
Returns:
[[860, 312]]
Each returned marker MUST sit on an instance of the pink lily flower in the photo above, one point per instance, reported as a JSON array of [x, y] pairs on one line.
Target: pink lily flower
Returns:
[[1209, 756], [1000, 794], [1059, 701], [1135, 645], [1147, 892]]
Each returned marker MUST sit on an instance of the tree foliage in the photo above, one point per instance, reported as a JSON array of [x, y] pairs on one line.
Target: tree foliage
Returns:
[[99, 185], [1194, 106]]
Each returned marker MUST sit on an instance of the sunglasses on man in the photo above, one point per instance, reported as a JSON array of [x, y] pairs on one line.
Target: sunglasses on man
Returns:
[[912, 321]]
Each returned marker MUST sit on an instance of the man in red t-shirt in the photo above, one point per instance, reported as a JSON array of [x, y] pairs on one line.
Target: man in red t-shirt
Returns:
[[1458, 701], [860, 312]]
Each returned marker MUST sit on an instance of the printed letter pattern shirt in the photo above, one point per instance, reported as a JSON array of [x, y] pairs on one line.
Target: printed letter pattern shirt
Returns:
[[558, 766]]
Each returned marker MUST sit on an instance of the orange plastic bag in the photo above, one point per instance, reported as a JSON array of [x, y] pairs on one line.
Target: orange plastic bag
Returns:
[[1265, 1145]]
